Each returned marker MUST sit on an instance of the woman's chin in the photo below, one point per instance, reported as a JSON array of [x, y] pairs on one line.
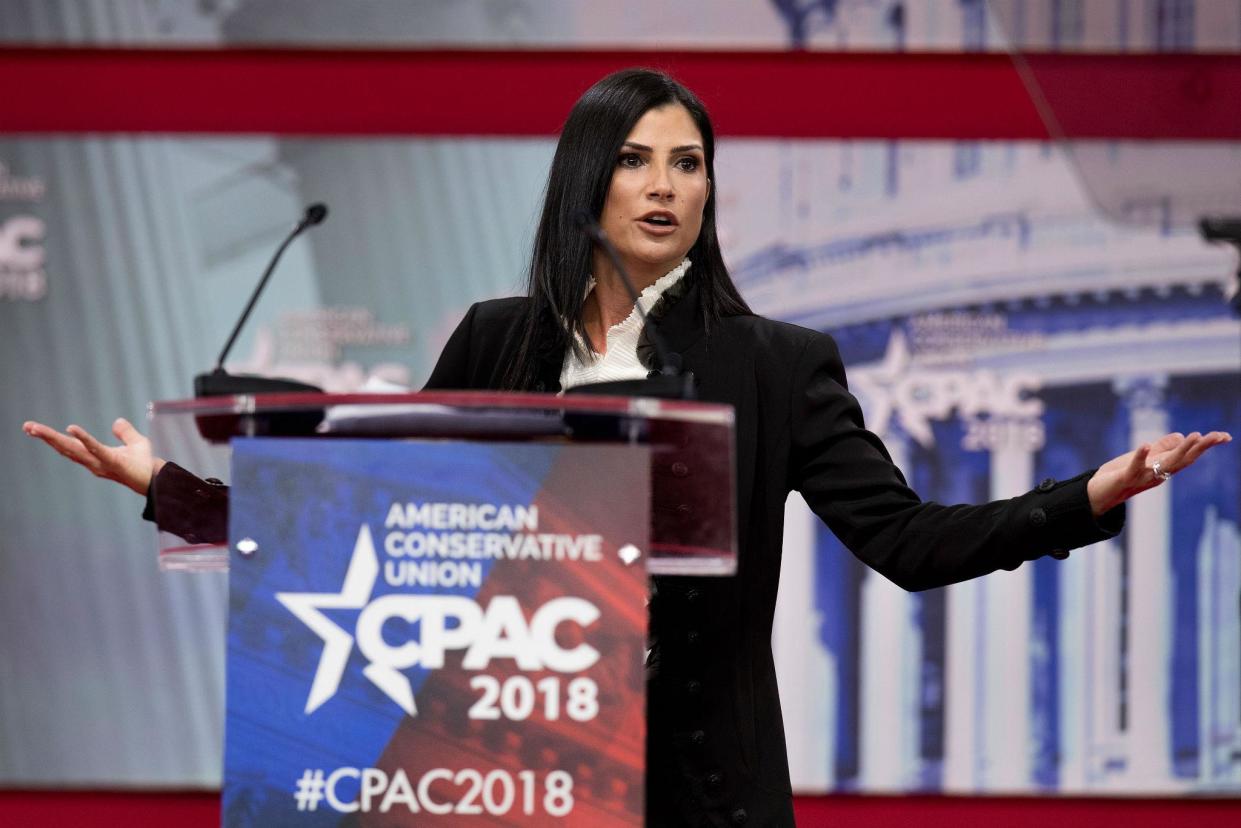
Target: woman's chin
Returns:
[[658, 261]]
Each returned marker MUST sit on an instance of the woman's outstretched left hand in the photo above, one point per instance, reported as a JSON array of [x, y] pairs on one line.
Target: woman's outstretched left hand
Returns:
[[1147, 466]]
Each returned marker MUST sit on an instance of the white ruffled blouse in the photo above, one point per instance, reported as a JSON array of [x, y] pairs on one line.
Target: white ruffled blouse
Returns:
[[620, 362]]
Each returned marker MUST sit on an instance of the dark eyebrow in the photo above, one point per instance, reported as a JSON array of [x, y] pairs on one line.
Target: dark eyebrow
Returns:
[[645, 148]]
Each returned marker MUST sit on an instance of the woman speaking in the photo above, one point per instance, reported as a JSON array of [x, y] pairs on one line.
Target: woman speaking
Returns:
[[637, 154]]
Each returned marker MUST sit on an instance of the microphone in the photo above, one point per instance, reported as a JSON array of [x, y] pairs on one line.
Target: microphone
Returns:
[[220, 383], [1220, 228], [667, 381], [1226, 230]]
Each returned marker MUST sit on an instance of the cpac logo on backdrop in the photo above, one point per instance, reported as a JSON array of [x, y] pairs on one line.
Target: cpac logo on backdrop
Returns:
[[447, 622], [997, 409], [20, 187], [21, 259]]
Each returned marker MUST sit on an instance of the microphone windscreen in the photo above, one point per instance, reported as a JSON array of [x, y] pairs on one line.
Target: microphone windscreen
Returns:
[[315, 213]]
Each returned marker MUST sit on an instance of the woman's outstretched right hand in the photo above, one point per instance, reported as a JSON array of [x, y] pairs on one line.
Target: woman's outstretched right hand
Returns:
[[130, 463]]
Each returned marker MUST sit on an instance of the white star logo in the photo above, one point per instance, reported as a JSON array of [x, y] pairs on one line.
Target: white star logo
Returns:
[[877, 386], [355, 593]]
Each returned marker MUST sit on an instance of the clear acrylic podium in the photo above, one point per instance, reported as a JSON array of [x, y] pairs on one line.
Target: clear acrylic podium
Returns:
[[369, 681], [693, 522]]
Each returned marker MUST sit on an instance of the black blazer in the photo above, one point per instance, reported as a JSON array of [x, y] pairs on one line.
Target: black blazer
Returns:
[[715, 744]]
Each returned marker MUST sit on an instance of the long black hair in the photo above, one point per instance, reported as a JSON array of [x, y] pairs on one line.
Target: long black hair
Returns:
[[580, 175]]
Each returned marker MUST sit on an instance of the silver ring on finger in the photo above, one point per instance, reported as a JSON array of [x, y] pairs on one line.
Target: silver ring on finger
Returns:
[[1159, 472]]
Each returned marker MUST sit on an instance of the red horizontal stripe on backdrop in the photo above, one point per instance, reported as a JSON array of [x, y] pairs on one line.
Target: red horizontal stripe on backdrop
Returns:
[[201, 809], [1142, 96], [528, 93]]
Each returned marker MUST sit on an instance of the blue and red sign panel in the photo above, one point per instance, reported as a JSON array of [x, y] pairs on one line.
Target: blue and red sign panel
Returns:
[[436, 634]]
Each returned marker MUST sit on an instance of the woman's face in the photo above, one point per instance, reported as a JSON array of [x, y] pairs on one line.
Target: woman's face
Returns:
[[653, 210]]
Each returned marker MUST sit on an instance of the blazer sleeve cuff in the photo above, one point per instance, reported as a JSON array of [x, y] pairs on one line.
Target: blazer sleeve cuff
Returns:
[[188, 506], [1059, 518]]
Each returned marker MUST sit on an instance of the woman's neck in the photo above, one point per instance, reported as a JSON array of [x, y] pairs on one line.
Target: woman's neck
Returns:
[[610, 303]]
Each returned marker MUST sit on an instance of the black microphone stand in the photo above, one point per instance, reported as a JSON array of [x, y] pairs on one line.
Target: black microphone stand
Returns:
[[220, 383], [667, 381]]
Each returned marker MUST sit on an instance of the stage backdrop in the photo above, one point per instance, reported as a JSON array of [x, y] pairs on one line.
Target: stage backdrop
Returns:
[[998, 330]]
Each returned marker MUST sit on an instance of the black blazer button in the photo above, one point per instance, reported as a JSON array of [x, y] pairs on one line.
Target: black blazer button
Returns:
[[739, 816], [684, 511], [698, 737], [693, 594], [1037, 517], [214, 481], [540, 386], [693, 636], [715, 779], [1059, 554], [693, 688], [679, 469], [1047, 485]]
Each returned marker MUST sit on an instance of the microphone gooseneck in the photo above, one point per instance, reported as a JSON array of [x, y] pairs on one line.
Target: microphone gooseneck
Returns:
[[314, 214], [220, 383], [668, 381], [587, 224]]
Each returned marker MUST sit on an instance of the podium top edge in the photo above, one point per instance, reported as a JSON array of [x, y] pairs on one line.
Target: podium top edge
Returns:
[[644, 407]]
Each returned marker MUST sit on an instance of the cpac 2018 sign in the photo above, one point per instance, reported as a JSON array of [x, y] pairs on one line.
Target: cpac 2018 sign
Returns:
[[466, 663], [447, 622]]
